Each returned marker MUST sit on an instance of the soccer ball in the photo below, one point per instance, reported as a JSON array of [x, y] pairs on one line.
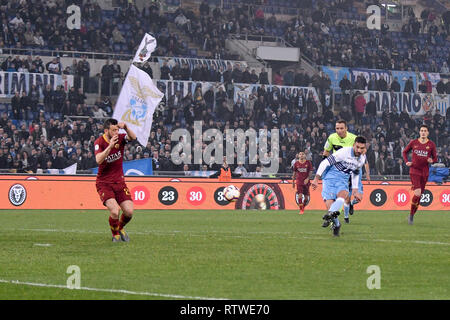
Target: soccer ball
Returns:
[[260, 200], [231, 193]]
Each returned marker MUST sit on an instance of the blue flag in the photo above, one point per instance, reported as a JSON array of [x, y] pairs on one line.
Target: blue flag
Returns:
[[141, 167]]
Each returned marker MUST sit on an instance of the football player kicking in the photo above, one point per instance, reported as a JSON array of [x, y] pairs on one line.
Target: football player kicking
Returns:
[[342, 138], [336, 170], [301, 172], [423, 154], [110, 182]]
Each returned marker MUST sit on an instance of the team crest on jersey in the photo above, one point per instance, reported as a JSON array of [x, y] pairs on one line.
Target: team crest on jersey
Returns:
[[116, 146], [427, 147], [17, 194]]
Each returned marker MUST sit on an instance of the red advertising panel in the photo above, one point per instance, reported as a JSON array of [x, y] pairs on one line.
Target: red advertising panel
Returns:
[[79, 192]]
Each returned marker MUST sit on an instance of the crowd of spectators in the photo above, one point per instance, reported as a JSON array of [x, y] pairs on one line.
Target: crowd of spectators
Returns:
[[57, 103], [326, 38], [347, 44], [43, 25], [54, 143], [318, 31]]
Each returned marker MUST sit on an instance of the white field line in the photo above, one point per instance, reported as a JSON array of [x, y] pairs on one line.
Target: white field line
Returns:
[[245, 235], [163, 295]]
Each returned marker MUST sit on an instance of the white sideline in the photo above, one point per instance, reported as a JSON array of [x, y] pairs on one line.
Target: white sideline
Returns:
[[163, 295], [230, 235]]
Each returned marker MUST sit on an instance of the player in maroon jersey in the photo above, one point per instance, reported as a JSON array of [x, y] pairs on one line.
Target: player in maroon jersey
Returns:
[[301, 172], [423, 154], [110, 182]]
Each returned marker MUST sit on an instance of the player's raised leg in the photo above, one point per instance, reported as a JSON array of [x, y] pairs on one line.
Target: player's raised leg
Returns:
[[329, 196], [334, 211], [334, 193]]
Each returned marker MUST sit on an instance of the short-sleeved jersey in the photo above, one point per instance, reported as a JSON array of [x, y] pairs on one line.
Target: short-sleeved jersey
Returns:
[[420, 154], [334, 142], [111, 169], [343, 164], [302, 170]]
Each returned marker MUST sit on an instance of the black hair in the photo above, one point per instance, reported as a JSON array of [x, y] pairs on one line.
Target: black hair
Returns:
[[342, 121], [424, 126], [360, 139], [109, 122]]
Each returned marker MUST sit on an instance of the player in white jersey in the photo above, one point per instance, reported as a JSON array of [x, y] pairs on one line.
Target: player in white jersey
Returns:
[[335, 171]]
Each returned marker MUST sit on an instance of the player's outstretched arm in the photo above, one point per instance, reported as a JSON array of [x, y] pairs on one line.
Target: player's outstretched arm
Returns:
[[131, 135]]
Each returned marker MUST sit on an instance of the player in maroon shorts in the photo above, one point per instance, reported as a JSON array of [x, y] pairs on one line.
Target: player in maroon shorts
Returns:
[[423, 153], [110, 182], [301, 172]]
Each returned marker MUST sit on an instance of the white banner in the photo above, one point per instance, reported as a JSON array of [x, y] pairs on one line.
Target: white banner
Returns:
[[147, 46], [414, 103], [192, 62], [71, 169], [169, 87], [243, 90], [137, 102], [11, 82]]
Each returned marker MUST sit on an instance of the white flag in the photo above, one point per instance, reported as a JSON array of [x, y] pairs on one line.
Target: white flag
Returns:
[[71, 169], [147, 46], [137, 102]]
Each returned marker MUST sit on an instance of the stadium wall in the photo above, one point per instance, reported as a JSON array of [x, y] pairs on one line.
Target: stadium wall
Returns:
[[79, 192]]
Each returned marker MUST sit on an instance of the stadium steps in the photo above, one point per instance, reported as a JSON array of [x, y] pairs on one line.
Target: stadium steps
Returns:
[[192, 46]]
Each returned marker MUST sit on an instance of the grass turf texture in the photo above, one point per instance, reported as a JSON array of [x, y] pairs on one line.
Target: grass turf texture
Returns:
[[225, 254]]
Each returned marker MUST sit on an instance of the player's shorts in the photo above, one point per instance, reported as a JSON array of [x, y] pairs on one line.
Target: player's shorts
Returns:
[[303, 188], [418, 182], [118, 191], [331, 187]]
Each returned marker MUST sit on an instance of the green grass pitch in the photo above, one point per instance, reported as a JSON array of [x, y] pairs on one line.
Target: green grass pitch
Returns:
[[224, 254]]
